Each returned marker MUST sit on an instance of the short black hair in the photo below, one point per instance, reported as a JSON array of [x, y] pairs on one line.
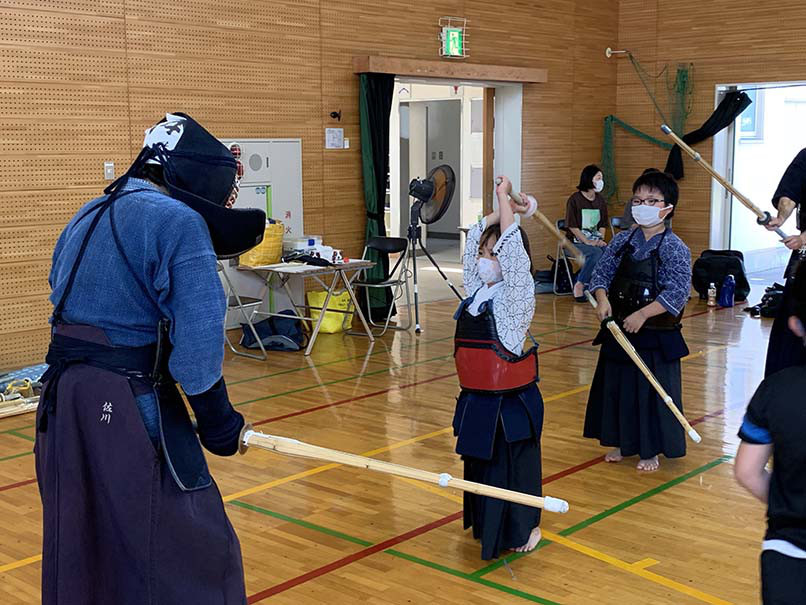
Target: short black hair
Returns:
[[586, 177], [652, 178], [799, 292]]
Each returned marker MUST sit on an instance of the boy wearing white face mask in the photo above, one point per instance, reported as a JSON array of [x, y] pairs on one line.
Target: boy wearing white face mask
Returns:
[[643, 280], [499, 413]]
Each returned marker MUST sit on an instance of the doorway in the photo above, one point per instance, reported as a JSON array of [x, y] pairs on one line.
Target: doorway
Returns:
[[753, 153], [434, 122]]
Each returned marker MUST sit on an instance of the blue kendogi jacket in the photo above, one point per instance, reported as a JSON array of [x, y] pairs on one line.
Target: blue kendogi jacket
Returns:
[[169, 272]]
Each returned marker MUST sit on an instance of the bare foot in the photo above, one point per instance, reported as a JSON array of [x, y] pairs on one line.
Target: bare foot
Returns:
[[649, 465], [579, 289], [534, 538], [614, 455]]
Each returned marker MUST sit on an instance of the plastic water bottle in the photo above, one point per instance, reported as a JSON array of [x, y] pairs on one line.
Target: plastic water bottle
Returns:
[[728, 291], [712, 295]]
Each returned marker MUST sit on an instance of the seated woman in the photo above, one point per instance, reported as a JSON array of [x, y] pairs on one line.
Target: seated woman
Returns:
[[586, 220]]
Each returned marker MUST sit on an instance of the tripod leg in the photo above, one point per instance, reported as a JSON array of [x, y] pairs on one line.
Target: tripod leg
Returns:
[[436, 266], [417, 329]]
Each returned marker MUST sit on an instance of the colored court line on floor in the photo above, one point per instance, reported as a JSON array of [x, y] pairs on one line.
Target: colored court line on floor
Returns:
[[16, 485], [366, 356], [613, 510], [21, 435], [638, 568], [448, 519], [395, 553], [379, 392], [20, 563], [20, 455]]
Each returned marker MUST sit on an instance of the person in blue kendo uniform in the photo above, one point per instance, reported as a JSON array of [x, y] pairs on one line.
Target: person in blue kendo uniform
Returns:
[[775, 425], [131, 514], [643, 280], [499, 412]]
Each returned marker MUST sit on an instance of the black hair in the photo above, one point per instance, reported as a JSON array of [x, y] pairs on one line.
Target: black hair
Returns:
[[495, 231], [652, 178], [586, 177]]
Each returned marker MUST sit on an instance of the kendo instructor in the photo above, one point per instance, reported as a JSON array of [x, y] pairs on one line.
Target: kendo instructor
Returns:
[[785, 349], [131, 514]]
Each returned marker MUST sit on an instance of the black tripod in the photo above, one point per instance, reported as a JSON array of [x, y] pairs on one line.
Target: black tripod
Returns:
[[415, 237]]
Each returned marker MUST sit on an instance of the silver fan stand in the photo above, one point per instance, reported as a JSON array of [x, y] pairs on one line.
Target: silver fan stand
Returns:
[[415, 237]]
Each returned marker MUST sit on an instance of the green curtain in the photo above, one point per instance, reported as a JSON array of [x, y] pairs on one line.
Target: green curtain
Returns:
[[375, 105]]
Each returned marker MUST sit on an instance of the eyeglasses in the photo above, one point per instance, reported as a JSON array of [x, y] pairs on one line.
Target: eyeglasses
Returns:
[[637, 201]]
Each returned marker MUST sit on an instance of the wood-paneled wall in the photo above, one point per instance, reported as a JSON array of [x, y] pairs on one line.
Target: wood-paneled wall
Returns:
[[82, 79], [728, 42]]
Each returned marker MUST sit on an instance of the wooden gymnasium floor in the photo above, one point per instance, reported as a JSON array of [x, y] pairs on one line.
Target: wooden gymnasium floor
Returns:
[[317, 533]]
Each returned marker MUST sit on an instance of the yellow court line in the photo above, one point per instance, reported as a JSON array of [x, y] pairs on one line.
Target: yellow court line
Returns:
[[332, 465], [20, 563], [635, 568], [309, 472], [638, 568], [644, 563], [380, 450]]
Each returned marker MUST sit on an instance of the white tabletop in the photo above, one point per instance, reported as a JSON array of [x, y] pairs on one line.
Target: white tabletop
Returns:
[[303, 269]]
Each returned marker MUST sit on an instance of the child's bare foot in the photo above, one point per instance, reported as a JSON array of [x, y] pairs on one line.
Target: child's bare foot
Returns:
[[534, 538], [649, 465], [614, 455], [579, 289]]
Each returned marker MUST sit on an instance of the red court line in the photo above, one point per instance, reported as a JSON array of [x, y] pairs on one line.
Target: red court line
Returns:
[[366, 552], [19, 484], [351, 399], [383, 391], [356, 556], [361, 554]]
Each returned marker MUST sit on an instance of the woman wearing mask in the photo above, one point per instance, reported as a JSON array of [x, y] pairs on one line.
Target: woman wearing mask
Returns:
[[499, 413], [643, 281], [586, 220]]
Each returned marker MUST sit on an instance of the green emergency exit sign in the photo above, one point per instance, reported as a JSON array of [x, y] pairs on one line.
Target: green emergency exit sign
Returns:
[[452, 42]]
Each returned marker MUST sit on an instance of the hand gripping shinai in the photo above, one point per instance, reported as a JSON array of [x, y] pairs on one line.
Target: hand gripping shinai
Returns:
[[615, 330], [763, 217], [292, 447], [530, 201]]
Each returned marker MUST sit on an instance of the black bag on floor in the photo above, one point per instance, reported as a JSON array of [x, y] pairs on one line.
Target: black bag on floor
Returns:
[[276, 333], [714, 266], [563, 285]]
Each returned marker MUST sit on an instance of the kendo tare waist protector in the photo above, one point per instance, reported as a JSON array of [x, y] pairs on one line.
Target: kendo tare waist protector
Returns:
[[482, 361]]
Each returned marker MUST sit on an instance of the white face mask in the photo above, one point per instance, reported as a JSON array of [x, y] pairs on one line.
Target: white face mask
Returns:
[[598, 185], [490, 271], [647, 216]]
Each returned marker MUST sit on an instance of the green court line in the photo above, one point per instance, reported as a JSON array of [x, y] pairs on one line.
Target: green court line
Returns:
[[30, 453], [353, 377], [346, 379], [19, 428], [610, 511], [396, 553], [328, 363], [407, 346], [301, 523], [470, 577], [21, 435]]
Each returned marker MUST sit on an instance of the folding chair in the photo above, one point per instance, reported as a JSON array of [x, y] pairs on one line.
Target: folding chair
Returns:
[[242, 303], [398, 279], [561, 255], [616, 225]]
